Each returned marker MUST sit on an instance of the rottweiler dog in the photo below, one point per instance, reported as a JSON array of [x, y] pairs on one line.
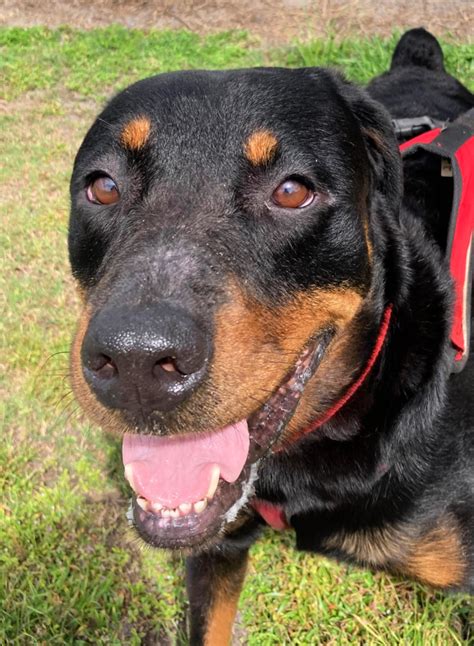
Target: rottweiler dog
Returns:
[[267, 322]]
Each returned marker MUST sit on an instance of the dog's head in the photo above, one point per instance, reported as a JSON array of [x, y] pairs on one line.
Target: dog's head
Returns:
[[227, 234]]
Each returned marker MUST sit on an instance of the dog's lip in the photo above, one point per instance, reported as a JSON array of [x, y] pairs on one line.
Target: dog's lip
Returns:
[[266, 426], [193, 529]]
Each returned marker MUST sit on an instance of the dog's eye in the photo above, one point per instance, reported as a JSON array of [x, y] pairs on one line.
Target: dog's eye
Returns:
[[292, 194], [103, 190]]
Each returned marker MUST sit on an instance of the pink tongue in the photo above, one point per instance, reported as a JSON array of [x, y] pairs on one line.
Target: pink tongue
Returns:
[[173, 470]]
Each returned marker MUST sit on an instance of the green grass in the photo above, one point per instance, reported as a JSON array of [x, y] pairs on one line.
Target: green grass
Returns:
[[92, 63], [70, 571]]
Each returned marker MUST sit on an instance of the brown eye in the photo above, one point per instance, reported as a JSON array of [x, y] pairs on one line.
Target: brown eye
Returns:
[[292, 194], [103, 190]]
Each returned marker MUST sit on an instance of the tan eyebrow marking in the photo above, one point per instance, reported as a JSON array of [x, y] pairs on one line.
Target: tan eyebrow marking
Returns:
[[260, 147], [135, 133]]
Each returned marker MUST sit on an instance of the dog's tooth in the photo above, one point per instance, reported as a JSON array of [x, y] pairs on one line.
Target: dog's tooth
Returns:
[[143, 503], [174, 513], [157, 507], [216, 472], [165, 512], [200, 506], [129, 475], [185, 508]]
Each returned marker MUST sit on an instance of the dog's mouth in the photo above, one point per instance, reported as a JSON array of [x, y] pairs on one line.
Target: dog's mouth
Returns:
[[187, 488]]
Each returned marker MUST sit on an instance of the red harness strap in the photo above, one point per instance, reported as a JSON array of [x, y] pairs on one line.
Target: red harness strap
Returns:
[[425, 138], [273, 515], [460, 257], [456, 144]]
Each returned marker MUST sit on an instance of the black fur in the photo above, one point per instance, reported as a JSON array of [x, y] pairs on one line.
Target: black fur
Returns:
[[194, 212]]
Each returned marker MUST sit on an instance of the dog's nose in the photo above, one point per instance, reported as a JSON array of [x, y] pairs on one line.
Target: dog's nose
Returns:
[[144, 358]]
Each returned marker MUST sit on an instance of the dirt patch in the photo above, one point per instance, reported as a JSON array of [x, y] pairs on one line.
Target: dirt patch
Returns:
[[276, 22]]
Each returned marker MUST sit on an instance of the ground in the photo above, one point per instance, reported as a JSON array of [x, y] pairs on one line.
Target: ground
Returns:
[[274, 22]]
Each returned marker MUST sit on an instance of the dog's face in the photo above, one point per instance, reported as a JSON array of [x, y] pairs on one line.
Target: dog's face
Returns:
[[222, 233]]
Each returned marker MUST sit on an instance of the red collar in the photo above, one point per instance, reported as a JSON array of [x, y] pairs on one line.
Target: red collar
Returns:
[[274, 515], [354, 387]]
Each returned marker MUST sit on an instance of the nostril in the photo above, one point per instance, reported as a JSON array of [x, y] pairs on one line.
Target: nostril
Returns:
[[168, 364], [149, 357], [104, 366]]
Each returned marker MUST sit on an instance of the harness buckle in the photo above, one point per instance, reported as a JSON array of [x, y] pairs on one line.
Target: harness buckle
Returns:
[[409, 128]]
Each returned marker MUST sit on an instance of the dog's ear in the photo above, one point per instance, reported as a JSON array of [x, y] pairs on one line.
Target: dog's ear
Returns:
[[380, 142], [386, 182], [378, 136]]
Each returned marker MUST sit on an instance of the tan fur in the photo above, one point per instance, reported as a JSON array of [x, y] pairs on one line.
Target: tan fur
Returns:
[[368, 241], [378, 548], [437, 557], [223, 609], [220, 622], [260, 147], [255, 346], [135, 133]]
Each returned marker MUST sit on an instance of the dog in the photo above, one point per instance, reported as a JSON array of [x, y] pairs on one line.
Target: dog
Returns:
[[266, 321]]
